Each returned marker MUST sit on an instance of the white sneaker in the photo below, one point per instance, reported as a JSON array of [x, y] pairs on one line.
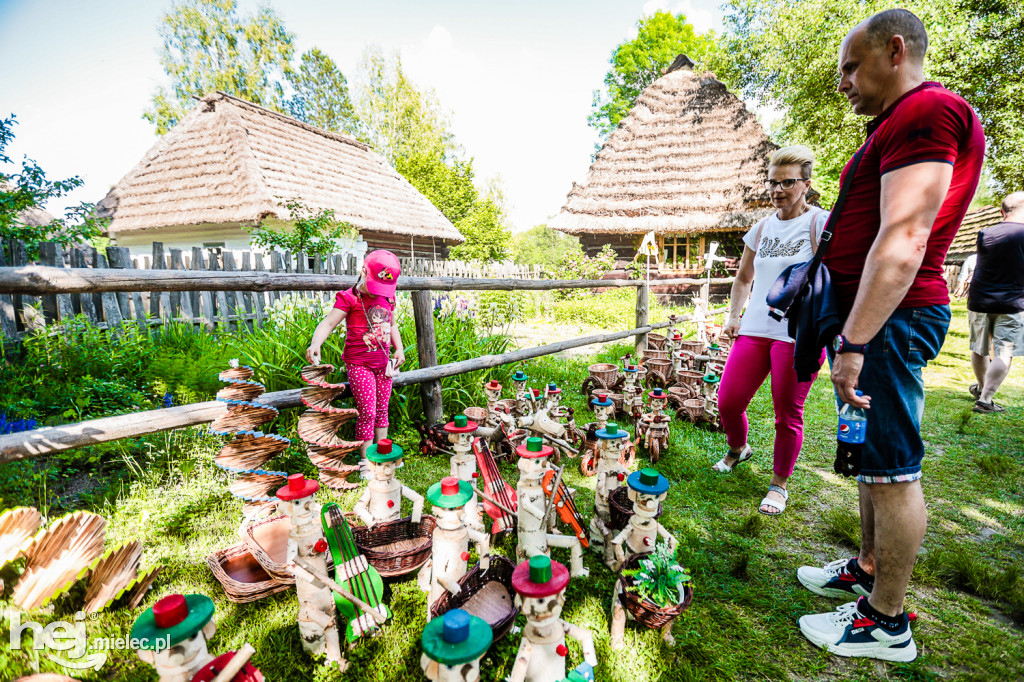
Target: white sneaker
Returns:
[[847, 632], [834, 579]]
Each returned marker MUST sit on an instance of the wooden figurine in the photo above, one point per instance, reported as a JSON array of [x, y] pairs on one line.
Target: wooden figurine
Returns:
[[524, 405], [553, 397], [173, 635], [493, 391], [604, 409], [647, 490], [232, 666], [540, 584], [382, 499], [453, 646], [452, 535], [709, 389], [534, 513], [653, 428], [463, 462], [632, 393], [610, 474]]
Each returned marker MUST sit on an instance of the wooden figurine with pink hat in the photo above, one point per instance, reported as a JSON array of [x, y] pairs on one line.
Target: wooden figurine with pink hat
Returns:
[[173, 635], [540, 584], [534, 512], [610, 473], [382, 500], [453, 646], [450, 551], [647, 490]]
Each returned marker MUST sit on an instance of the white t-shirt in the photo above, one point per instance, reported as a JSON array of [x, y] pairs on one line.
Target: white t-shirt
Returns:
[[783, 243]]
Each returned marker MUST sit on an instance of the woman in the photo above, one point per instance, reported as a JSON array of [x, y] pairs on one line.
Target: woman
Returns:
[[762, 346]]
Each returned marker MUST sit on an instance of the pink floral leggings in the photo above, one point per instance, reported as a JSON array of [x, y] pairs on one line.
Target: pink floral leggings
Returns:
[[372, 391]]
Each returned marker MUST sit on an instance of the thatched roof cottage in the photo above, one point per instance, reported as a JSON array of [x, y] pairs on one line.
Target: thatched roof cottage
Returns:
[[688, 162], [230, 164], [966, 241]]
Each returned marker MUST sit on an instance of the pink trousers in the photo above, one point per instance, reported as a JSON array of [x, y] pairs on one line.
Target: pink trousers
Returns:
[[372, 391], [751, 360]]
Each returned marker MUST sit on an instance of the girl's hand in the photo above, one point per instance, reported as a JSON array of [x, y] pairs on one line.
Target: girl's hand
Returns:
[[731, 328], [313, 355], [399, 358]]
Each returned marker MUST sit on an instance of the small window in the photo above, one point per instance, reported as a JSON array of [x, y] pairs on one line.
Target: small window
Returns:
[[682, 252]]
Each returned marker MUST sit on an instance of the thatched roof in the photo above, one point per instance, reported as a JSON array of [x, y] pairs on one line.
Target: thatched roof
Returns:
[[689, 157], [966, 241], [231, 161]]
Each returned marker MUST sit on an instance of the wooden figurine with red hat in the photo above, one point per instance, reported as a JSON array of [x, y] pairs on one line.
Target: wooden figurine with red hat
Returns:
[[453, 646], [173, 635], [647, 490], [460, 432], [382, 500], [232, 666], [534, 512], [493, 390], [450, 551], [610, 474], [540, 584]]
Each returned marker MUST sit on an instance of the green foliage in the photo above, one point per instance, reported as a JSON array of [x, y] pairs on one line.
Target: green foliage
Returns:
[[488, 237], [543, 246], [637, 63], [321, 94], [658, 578], [578, 265], [208, 46], [312, 232], [29, 189], [786, 52]]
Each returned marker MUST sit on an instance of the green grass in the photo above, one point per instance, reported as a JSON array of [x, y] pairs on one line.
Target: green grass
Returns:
[[966, 588]]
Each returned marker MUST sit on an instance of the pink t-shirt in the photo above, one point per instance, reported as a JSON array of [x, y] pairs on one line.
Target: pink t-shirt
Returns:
[[367, 342]]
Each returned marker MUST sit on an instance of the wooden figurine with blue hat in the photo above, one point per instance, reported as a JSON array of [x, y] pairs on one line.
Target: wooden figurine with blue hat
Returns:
[[523, 395], [535, 511], [172, 635], [647, 490], [450, 551], [610, 475], [540, 585], [382, 500], [604, 409], [453, 646]]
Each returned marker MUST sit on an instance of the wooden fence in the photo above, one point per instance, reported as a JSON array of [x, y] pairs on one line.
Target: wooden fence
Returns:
[[423, 267]]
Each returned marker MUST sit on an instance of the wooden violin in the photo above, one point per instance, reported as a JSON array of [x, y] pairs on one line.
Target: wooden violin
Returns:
[[495, 487], [566, 508], [353, 573]]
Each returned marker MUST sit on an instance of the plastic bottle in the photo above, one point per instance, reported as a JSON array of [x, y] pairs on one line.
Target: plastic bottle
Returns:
[[850, 435]]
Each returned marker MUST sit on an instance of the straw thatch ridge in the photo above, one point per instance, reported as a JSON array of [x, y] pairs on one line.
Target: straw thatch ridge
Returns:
[[689, 157], [232, 162], [966, 241]]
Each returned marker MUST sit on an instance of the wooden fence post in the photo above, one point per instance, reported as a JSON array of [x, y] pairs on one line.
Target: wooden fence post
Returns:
[[56, 308], [121, 257], [643, 296], [426, 345], [8, 318]]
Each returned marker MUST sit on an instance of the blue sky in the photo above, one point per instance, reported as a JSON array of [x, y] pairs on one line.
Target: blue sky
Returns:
[[517, 77]]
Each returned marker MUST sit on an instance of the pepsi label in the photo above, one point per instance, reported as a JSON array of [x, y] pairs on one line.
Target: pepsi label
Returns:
[[852, 430]]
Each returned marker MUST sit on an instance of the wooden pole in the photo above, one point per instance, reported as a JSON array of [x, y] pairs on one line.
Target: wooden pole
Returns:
[[426, 346], [643, 295]]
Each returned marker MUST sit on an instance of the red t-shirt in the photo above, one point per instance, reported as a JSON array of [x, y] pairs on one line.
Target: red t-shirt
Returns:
[[929, 123], [366, 343]]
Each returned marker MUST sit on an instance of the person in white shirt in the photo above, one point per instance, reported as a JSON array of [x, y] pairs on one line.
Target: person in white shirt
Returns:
[[963, 281], [762, 346]]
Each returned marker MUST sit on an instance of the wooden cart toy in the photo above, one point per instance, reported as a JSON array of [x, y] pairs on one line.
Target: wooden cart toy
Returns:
[[653, 428], [453, 646], [173, 635]]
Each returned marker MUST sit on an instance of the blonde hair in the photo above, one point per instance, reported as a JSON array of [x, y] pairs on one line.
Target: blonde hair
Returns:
[[795, 155]]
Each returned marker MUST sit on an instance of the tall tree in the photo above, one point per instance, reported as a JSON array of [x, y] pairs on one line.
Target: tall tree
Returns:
[[321, 97], [543, 246], [208, 46], [637, 63]]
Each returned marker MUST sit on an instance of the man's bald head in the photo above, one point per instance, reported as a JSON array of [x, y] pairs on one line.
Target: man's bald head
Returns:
[[1013, 204], [881, 28]]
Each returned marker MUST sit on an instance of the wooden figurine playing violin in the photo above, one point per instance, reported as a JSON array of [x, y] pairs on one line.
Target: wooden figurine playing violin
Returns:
[[452, 535], [534, 510], [382, 500], [647, 490], [173, 635], [540, 585], [453, 646], [610, 474]]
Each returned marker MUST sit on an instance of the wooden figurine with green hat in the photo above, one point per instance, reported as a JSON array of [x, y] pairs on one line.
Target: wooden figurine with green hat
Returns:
[[382, 500], [647, 490], [450, 551], [534, 510], [540, 585], [709, 389], [172, 635], [610, 474], [453, 646], [524, 406]]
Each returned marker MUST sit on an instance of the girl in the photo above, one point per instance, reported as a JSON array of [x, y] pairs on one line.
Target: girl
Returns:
[[368, 310]]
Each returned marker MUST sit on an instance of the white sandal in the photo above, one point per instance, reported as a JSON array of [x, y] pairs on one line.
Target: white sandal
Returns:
[[769, 502], [723, 467]]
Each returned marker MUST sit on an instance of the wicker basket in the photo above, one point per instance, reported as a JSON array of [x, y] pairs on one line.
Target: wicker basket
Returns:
[[662, 368], [397, 547], [267, 541], [694, 408], [695, 347], [616, 398], [643, 610], [677, 394], [508, 403], [605, 372], [657, 340], [621, 508], [654, 354], [690, 379], [476, 414], [243, 578], [487, 595]]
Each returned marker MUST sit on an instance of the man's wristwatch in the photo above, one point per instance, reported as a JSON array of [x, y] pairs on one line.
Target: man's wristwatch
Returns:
[[841, 344]]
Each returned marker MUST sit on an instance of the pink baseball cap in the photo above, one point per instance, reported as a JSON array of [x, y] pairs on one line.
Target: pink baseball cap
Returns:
[[383, 268]]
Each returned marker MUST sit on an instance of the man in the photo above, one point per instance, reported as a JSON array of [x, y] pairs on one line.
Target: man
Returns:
[[963, 280], [916, 178], [995, 303]]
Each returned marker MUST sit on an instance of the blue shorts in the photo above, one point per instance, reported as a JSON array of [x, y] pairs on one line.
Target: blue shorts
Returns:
[[891, 375]]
